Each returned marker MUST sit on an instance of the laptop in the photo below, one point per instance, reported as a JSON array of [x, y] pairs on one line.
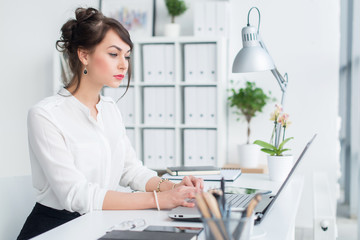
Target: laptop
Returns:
[[239, 202]]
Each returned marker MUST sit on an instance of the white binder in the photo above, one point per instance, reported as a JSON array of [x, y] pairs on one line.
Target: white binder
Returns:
[[201, 104], [159, 144], [158, 59], [169, 148], [199, 19], [160, 105], [210, 19], [190, 101], [202, 60], [169, 56], [190, 62], [201, 155], [211, 147], [149, 101], [169, 102], [149, 153], [126, 104], [148, 63], [190, 147], [222, 19], [211, 109], [210, 75]]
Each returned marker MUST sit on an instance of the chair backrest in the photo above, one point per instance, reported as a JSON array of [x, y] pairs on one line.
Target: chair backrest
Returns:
[[16, 202]]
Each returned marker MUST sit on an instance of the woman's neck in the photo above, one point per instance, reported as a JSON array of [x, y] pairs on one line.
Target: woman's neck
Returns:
[[87, 95]]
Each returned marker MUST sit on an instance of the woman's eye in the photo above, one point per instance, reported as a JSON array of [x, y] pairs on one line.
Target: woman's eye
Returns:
[[127, 57], [113, 54]]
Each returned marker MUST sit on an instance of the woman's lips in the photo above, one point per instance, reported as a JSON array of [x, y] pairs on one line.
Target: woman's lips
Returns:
[[120, 76]]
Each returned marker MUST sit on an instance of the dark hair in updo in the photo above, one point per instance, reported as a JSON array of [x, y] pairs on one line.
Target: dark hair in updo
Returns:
[[86, 31]]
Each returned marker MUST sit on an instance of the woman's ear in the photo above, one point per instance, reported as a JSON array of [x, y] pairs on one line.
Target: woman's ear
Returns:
[[83, 55]]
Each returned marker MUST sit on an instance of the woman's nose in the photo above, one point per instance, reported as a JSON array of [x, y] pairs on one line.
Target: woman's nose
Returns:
[[123, 64]]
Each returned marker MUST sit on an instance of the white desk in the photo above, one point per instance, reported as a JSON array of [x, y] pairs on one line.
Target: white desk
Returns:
[[278, 224]]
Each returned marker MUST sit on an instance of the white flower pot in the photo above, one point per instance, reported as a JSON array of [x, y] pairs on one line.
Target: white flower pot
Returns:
[[172, 30], [248, 155], [279, 167]]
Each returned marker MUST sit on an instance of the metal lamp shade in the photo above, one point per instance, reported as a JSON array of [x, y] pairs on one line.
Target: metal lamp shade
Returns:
[[252, 57]]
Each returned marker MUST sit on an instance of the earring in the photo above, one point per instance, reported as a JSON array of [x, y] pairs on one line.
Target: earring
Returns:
[[85, 71]]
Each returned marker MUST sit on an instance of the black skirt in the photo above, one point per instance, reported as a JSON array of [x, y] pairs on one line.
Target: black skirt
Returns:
[[42, 219]]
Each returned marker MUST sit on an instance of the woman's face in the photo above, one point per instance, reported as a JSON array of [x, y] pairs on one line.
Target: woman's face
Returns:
[[109, 62]]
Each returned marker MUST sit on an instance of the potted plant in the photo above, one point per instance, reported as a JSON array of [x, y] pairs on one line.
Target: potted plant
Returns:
[[279, 164], [175, 8], [248, 101]]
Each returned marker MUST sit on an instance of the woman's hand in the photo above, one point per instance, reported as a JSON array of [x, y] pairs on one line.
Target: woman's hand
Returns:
[[191, 181], [179, 196]]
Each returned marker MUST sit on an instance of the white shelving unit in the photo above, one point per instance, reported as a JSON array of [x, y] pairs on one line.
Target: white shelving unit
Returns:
[[178, 84]]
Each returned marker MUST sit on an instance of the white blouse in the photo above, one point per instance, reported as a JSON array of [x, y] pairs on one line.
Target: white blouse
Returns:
[[76, 159]]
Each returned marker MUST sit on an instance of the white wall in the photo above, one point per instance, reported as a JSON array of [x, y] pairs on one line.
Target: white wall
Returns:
[[29, 30], [302, 37]]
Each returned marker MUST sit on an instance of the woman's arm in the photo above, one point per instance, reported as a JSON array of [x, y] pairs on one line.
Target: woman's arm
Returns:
[[171, 195]]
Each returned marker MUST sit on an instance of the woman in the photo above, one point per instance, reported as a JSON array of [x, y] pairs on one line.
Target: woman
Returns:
[[78, 147]]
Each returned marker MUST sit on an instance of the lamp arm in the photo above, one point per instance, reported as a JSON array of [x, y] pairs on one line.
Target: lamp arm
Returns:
[[283, 81]]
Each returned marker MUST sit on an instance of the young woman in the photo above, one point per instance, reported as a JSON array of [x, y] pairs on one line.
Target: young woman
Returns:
[[79, 151]]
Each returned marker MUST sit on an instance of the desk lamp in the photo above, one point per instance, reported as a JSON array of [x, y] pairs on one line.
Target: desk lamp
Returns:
[[254, 57]]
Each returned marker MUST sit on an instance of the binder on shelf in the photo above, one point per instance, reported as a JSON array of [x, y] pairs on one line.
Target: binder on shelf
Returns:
[[211, 147], [148, 63], [126, 104], [169, 148], [159, 144], [169, 56], [148, 148], [190, 62], [159, 63], [210, 19], [202, 63], [190, 147], [211, 109], [190, 102], [169, 102], [201, 156], [210, 74], [199, 19], [222, 19], [193, 170], [149, 102]]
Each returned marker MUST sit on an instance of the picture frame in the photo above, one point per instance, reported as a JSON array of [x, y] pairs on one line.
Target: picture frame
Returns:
[[137, 16]]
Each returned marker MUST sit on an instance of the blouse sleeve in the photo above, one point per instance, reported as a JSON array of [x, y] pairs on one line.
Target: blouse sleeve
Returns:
[[47, 144]]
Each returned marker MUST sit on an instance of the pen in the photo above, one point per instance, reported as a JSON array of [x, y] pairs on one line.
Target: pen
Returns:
[[223, 191]]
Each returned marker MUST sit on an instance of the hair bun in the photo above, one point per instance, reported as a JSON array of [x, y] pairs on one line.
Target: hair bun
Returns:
[[87, 14]]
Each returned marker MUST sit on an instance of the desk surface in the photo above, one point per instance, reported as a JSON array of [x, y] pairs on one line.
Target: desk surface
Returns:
[[278, 224]]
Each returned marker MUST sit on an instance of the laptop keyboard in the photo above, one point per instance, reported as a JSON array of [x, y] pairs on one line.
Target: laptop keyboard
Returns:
[[238, 200]]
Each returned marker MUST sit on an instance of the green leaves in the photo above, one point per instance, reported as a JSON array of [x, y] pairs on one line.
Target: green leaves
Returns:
[[271, 149], [248, 100], [175, 7]]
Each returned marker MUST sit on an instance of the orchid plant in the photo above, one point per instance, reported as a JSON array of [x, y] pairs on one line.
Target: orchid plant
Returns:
[[281, 123]]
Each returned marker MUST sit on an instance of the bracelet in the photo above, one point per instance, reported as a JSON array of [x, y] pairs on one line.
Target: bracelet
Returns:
[[161, 181], [156, 200]]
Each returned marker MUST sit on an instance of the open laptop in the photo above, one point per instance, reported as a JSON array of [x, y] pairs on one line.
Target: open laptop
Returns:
[[239, 202]]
